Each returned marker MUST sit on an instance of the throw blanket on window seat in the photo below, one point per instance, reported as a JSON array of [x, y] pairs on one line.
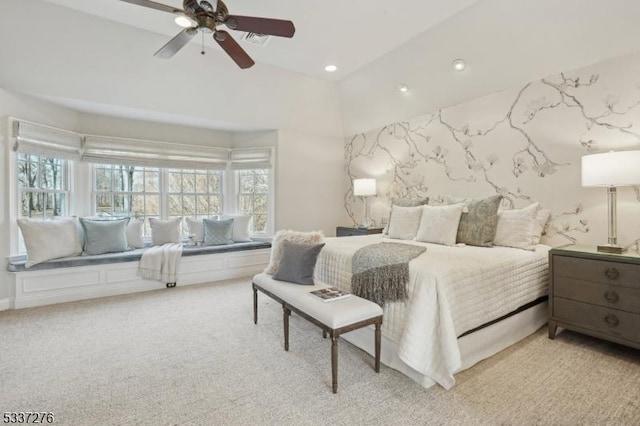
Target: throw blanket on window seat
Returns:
[[381, 271], [160, 263]]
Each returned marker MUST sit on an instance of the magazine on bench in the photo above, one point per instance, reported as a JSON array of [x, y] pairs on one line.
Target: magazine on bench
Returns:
[[330, 294]]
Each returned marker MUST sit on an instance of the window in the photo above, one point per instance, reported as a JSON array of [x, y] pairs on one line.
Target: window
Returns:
[[253, 188], [194, 193], [145, 192], [43, 186]]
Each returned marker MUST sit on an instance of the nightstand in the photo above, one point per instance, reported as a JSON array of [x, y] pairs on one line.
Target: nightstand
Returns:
[[595, 293], [345, 231]]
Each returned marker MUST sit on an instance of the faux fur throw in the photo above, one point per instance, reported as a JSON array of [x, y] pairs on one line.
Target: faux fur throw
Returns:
[[381, 271]]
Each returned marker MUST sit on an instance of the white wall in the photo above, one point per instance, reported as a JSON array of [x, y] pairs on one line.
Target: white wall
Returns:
[[505, 44]]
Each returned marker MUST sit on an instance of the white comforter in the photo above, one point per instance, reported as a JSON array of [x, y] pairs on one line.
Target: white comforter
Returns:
[[451, 290]]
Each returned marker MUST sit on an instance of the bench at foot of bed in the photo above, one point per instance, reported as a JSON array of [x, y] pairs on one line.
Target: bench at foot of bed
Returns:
[[334, 318]]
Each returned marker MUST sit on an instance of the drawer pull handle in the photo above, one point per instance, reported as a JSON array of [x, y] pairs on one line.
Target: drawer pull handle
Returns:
[[611, 296], [612, 320], [612, 273]]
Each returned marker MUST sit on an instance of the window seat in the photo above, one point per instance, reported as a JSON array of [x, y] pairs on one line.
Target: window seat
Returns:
[[88, 277], [17, 263]]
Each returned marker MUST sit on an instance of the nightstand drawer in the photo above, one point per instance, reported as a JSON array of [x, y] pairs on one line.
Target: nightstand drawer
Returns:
[[610, 296], [609, 321], [601, 271]]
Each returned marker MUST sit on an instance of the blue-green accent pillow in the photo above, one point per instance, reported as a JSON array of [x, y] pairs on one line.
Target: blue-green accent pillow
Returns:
[[298, 262], [104, 236], [218, 232]]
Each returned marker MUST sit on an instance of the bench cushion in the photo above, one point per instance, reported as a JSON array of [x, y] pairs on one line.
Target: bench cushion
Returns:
[[336, 314]]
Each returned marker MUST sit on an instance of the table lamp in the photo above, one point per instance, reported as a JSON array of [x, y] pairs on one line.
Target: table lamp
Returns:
[[365, 188], [611, 170]]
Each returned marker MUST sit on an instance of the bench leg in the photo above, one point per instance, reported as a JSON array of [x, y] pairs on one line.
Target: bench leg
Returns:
[[286, 314], [377, 347], [255, 305], [334, 362]]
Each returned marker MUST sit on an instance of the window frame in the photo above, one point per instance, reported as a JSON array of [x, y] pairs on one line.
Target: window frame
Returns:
[[270, 200]]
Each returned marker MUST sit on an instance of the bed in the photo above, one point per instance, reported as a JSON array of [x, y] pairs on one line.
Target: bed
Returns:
[[464, 304]]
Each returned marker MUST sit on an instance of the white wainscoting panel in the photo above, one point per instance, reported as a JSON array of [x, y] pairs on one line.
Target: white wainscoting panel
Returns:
[[45, 287]]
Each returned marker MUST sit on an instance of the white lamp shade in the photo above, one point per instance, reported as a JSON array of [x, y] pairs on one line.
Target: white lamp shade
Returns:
[[364, 187], [620, 168]]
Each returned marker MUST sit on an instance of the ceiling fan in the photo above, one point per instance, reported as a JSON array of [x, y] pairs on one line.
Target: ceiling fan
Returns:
[[207, 17]]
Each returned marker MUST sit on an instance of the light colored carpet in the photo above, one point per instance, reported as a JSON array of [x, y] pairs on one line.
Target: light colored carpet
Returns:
[[192, 355]]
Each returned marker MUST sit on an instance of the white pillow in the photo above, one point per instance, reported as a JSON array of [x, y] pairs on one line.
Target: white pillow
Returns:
[[242, 224], [277, 245], [539, 223], [439, 224], [134, 234], [515, 227], [165, 231], [404, 222], [50, 239], [196, 227]]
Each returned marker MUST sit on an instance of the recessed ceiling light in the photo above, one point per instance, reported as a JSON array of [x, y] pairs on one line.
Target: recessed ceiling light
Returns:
[[403, 88], [184, 21], [331, 68], [459, 64]]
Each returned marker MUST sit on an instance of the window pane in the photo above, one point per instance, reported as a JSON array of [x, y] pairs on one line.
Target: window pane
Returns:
[[246, 183], [202, 205], [175, 182], [215, 204], [138, 205], [201, 183], [152, 181], [175, 205], [55, 205], [138, 180], [189, 205], [103, 179], [188, 183], [214, 182], [260, 204], [103, 204], [262, 183], [259, 223], [246, 203], [32, 204], [152, 205]]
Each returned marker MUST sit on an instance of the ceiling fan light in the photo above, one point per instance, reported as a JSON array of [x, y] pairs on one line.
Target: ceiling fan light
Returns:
[[184, 21]]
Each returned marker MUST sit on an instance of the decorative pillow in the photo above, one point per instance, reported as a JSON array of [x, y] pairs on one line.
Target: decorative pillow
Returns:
[[104, 236], [218, 232], [298, 262], [515, 227], [242, 224], [540, 222], [404, 202], [439, 224], [165, 231], [404, 222], [135, 237], [49, 239], [478, 221], [196, 227], [313, 237]]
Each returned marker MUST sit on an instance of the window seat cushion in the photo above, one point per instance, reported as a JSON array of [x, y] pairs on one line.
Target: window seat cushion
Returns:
[[17, 263]]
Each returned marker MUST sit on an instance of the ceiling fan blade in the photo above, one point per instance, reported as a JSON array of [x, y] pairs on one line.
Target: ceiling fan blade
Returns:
[[154, 5], [233, 49], [274, 27], [176, 43]]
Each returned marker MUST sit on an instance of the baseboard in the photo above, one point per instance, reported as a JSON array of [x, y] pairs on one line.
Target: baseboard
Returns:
[[5, 304]]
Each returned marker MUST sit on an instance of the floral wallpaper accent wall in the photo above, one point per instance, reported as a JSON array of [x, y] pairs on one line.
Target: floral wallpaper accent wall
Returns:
[[524, 143]]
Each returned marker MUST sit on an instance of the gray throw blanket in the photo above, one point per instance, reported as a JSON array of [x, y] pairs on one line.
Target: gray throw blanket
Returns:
[[381, 271]]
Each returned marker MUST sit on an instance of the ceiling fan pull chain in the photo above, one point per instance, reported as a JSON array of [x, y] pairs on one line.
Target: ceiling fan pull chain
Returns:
[[202, 52]]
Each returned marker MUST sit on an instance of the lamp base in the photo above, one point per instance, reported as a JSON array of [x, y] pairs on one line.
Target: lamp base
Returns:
[[607, 248], [367, 223]]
